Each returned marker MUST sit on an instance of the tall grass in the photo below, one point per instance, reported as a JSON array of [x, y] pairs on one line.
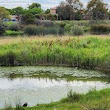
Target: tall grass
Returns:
[[90, 53]]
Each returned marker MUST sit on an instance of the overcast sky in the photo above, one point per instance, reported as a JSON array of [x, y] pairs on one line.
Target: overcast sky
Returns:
[[44, 3]]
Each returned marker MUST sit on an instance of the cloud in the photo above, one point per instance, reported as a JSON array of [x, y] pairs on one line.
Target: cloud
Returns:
[[15, 3]]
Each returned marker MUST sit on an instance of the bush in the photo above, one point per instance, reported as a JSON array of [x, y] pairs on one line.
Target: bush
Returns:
[[61, 24], [68, 27], [100, 29], [77, 30], [40, 30], [2, 28], [61, 31], [13, 27], [32, 30], [86, 29]]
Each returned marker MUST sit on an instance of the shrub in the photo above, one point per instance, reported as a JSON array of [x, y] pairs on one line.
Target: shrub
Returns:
[[100, 29], [61, 24], [77, 30], [61, 31], [32, 30], [40, 30], [13, 27], [2, 28], [86, 29], [68, 27]]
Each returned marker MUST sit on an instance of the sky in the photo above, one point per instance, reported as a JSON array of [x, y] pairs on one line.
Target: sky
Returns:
[[44, 3]]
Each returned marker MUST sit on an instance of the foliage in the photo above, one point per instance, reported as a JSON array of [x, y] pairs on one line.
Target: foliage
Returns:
[[13, 33], [43, 16], [47, 11], [34, 5], [40, 30], [2, 28], [14, 27], [10, 23], [72, 97], [88, 52], [68, 9], [34, 11], [27, 18], [77, 30], [100, 29], [97, 9], [17, 11], [4, 13]]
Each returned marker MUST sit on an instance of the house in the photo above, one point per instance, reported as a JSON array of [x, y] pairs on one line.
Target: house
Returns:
[[53, 10]]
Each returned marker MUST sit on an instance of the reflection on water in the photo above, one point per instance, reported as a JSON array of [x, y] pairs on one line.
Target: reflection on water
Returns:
[[42, 90]]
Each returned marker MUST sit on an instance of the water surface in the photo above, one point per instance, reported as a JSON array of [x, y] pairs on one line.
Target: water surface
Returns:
[[36, 85]]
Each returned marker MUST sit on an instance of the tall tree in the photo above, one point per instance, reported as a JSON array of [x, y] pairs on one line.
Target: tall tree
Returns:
[[97, 9], [34, 5], [69, 8]]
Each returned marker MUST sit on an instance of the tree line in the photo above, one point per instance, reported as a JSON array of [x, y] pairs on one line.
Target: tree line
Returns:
[[67, 10]]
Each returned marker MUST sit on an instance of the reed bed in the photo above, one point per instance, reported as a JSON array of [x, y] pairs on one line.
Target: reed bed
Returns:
[[81, 52]]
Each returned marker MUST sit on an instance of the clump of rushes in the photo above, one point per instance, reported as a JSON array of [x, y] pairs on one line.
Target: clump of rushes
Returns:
[[88, 53]]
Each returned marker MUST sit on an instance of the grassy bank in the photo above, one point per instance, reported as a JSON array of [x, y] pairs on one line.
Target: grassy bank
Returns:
[[94, 100], [91, 101], [91, 52]]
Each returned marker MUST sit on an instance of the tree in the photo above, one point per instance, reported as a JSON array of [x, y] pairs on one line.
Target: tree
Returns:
[[68, 9], [34, 5], [27, 18], [97, 9], [47, 11], [4, 13], [35, 11], [18, 11]]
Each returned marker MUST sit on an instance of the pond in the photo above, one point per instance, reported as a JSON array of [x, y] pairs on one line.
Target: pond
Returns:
[[36, 85]]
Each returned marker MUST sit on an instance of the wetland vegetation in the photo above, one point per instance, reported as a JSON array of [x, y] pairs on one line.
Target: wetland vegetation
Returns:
[[81, 52], [52, 61], [89, 53]]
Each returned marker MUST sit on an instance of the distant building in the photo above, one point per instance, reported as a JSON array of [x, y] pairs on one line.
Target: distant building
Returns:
[[53, 11]]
